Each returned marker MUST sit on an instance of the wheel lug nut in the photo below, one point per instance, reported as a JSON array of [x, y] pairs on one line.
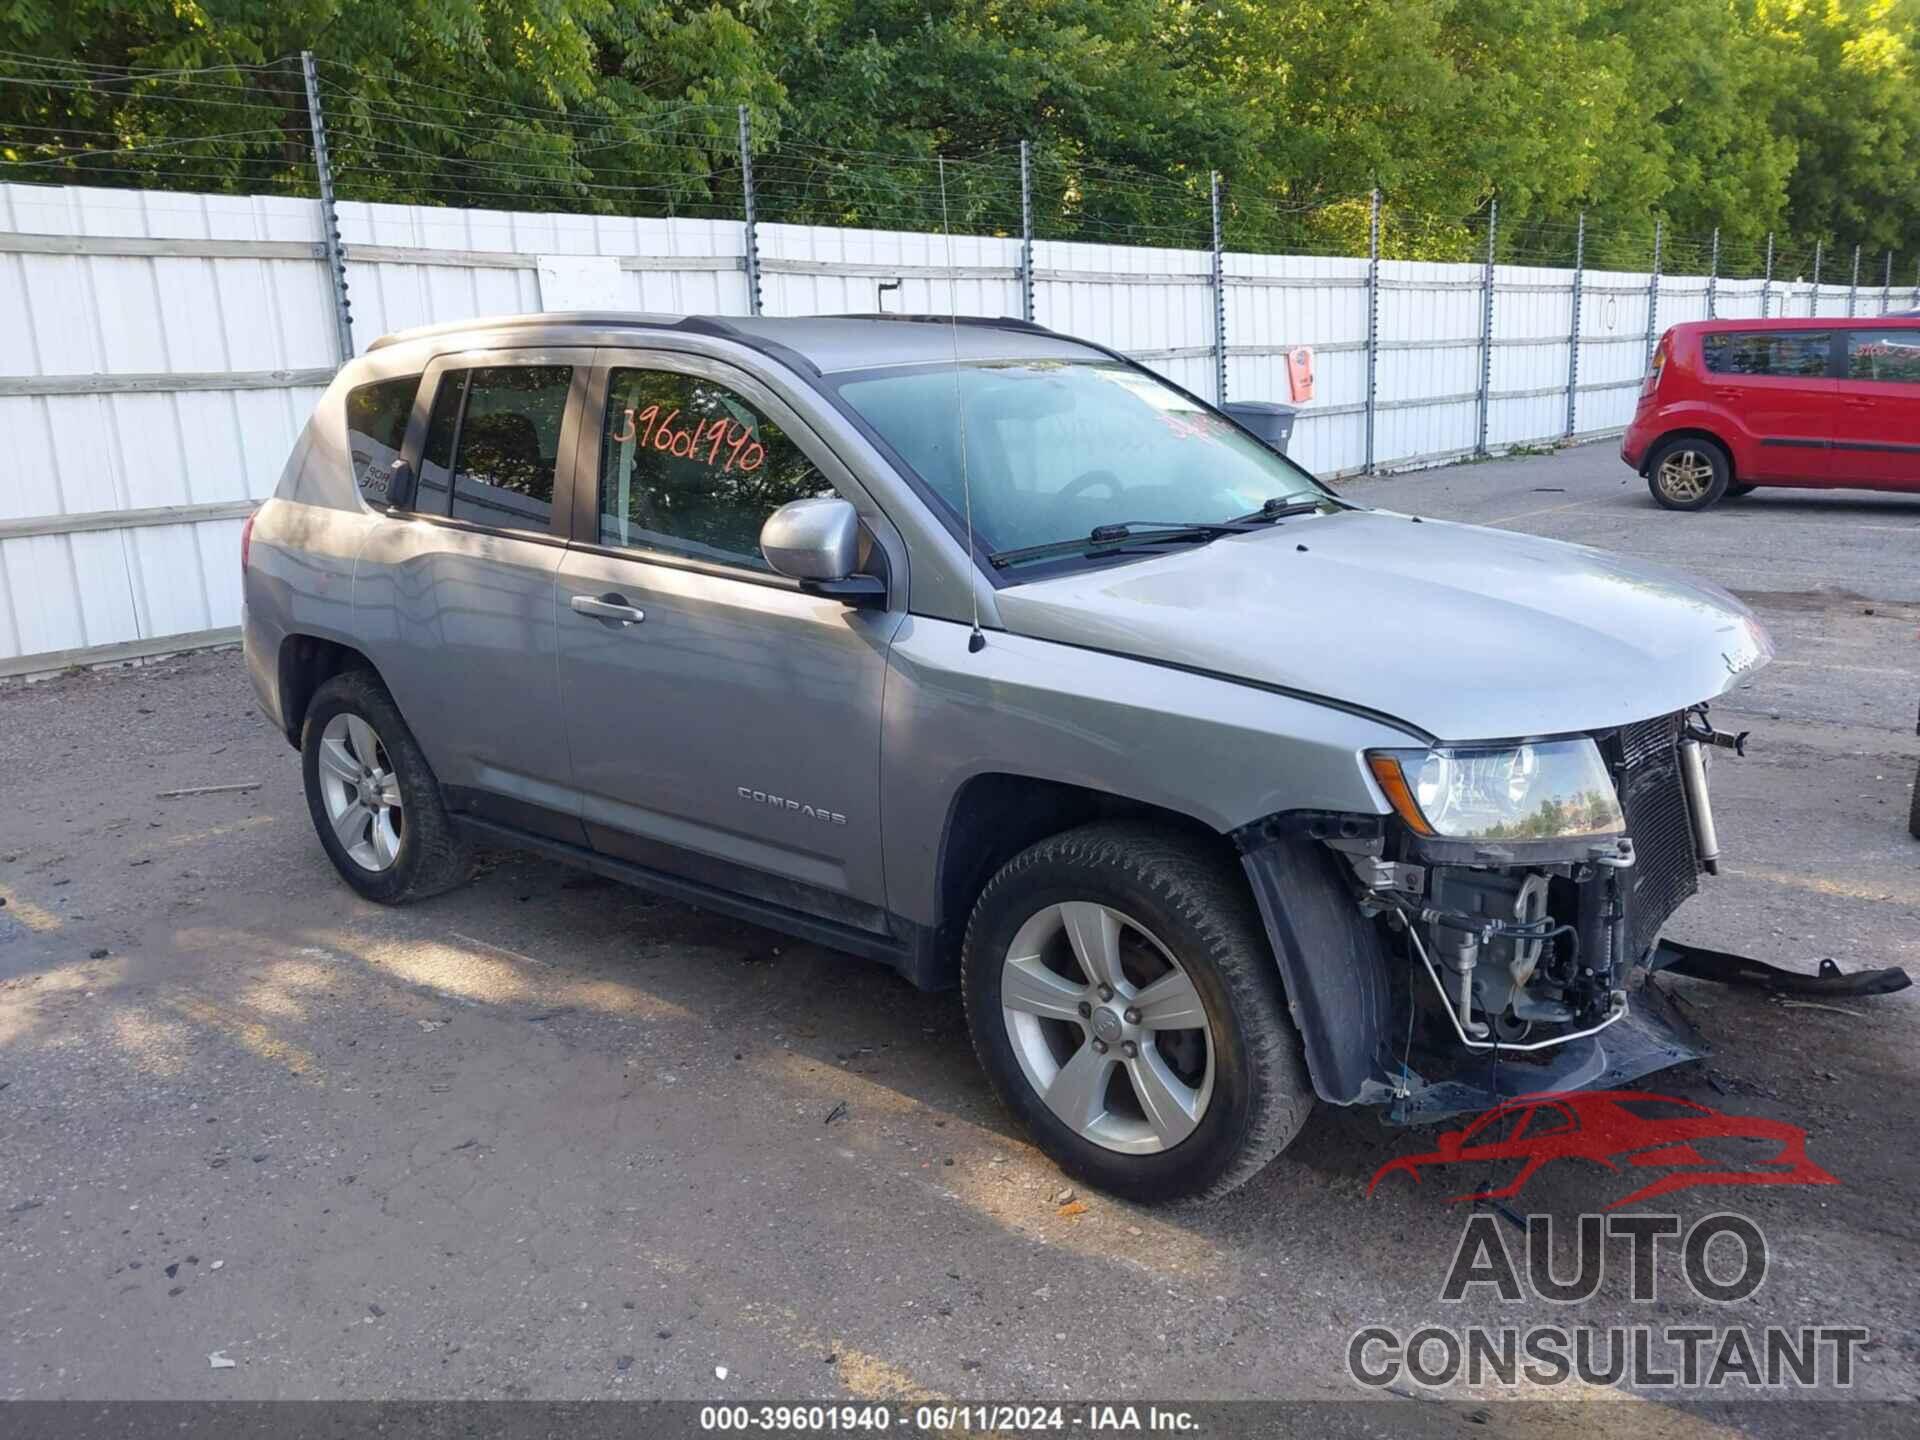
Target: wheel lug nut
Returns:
[[1106, 992], [1086, 1010], [1133, 1016], [1129, 1049], [1099, 1047]]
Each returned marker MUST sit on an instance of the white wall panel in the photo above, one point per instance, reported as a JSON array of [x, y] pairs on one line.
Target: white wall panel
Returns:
[[140, 443]]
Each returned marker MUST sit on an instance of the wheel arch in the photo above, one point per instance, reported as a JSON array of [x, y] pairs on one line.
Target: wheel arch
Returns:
[[995, 815], [305, 663], [1691, 432], [1332, 960]]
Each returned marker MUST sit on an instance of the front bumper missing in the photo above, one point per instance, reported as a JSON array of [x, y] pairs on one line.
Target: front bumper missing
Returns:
[[1651, 1035]]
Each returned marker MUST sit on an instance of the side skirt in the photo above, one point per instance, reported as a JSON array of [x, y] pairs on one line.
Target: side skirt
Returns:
[[913, 956]]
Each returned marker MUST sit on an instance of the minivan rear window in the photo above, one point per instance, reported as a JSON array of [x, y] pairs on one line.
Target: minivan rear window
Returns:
[[1884, 355], [1768, 352]]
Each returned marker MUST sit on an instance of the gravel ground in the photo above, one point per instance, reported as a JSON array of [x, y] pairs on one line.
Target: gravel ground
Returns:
[[548, 1137]]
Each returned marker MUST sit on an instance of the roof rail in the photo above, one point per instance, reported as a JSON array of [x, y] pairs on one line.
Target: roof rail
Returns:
[[986, 322], [605, 319]]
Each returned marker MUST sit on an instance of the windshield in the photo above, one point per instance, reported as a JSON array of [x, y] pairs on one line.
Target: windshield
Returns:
[[1056, 448]]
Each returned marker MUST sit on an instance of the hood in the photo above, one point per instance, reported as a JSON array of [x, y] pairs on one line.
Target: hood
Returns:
[[1463, 632]]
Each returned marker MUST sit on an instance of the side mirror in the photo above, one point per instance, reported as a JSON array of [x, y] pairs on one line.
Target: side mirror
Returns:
[[400, 485], [817, 539], [817, 542]]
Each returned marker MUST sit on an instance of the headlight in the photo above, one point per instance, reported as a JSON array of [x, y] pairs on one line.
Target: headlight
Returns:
[[1555, 790]]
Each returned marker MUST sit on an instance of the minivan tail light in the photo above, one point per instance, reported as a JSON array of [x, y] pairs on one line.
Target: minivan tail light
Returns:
[[246, 542]]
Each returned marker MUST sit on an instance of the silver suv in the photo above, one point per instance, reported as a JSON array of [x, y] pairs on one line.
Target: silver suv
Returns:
[[985, 653]]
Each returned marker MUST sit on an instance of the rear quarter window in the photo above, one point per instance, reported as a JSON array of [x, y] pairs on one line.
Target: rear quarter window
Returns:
[[377, 416], [1887, 355], [1800, 353]]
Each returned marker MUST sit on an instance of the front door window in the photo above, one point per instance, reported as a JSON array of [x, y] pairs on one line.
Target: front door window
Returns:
[[690, 468]]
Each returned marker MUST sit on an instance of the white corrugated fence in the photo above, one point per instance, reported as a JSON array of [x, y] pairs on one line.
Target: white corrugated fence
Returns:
[[159, 352]]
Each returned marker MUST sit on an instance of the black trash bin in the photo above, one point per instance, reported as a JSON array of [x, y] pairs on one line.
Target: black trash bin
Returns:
[[1272, 423]]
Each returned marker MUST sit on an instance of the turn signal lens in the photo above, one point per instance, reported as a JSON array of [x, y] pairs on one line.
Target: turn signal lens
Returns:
[[1386, 769]]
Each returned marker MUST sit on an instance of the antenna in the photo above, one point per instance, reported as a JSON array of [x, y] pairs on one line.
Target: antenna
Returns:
[[977, 641]]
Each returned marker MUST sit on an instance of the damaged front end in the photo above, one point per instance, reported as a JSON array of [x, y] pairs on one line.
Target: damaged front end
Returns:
[[1513, 894]]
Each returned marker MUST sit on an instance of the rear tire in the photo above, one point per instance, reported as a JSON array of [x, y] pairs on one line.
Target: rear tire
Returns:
[[1687, 473], [1182, 921], [374, 800], [1913, 815]]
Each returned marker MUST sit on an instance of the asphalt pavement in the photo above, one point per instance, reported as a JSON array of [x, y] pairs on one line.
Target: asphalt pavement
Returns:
[[548, 1137]]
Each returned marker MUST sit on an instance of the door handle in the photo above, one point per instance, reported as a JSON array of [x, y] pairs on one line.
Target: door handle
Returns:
[[608, 607]]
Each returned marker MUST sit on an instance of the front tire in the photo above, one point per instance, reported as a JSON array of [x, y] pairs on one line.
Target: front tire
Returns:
[[374, 800], [1125, 1003], [1913, 815], [1688, 473]]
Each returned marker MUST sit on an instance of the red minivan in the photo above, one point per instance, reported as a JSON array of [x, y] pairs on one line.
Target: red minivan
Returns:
[[1730, 405]]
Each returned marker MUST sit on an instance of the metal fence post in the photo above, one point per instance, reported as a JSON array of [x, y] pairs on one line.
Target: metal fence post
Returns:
[[1573, 333], [1486, 329], [1766, 285], [1653, 295], [746, 207], [1713, 274], [1886, 286], [1026, 232], [1219, 304], [1853, 285], [1813, 300], [329, 215], [1373, 320]]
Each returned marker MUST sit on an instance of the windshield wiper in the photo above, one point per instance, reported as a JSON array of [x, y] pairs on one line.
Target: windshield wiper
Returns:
[[1279, 508], [1128, 532]]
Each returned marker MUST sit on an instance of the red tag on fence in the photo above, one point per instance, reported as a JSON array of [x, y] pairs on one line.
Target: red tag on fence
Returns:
[[1300, 374]]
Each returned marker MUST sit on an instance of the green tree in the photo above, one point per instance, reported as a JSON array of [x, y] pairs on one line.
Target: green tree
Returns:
[[1798, 117]]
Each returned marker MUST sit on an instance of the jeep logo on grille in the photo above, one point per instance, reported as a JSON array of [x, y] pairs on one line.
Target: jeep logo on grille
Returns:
[[781, 802]]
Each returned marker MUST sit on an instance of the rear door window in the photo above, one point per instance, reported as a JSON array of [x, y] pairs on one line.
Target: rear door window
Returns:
[[377, 417], [492, 446], [509, 446], [1887, 355], [1794, 353]]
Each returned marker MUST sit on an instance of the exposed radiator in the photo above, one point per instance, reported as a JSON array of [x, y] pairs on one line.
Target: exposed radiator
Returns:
[[1666, 867]]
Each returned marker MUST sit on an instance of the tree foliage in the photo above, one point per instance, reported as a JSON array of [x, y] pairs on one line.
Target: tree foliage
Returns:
[[1794, 117]]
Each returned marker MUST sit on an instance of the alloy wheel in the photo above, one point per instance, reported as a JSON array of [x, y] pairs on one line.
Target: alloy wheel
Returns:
[[1107, 1027], [361, 792], [1685, 476]]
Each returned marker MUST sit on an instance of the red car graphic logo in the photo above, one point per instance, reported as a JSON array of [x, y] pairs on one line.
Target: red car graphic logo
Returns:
[[1620, 1129]]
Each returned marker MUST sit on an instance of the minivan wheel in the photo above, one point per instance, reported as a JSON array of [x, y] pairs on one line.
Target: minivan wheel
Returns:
[[1688, 473], [374, 800], [1125, 1004]]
